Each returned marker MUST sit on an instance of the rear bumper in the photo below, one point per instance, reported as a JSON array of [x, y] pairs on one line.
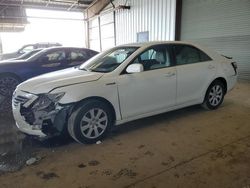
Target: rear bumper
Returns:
[[232, 80]]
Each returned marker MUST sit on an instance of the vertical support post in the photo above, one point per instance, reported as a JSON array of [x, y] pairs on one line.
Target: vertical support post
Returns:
[[87, 34], [178, 14], [100, 33], [114, 28], [86, 28]]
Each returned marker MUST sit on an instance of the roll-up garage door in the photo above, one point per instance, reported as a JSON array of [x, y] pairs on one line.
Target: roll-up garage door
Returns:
[[94, 34], [107, 30], [221, 25], [101, 32]]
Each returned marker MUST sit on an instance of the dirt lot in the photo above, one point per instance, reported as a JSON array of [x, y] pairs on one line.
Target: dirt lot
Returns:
[[185, 148]]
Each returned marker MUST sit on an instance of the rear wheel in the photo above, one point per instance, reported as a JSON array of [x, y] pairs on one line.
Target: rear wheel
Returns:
[[214, 96], [8, 84], [90, 122]]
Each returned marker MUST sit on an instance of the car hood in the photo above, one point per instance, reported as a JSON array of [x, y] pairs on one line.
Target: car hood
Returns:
[[8, 62], [47, 82], [9, 55]]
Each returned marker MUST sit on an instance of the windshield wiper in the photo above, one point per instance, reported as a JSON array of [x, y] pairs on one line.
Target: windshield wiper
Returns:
[[84, 69], [99, 71]]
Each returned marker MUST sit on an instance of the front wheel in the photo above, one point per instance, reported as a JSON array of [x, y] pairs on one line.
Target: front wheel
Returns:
[[214, 96], [90, 122]]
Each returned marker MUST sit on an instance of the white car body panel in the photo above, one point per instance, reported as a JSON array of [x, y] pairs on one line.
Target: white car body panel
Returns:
[[136, 95], [193, 80], [101, 88], [47, 82]]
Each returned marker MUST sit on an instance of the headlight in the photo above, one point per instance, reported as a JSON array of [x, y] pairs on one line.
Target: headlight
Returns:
[[27, 95], [45, 100]]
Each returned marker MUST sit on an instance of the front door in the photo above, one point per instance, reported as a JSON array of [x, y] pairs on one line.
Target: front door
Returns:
[[151, 90]]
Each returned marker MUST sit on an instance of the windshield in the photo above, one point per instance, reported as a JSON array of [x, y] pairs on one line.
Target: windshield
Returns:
[[108, 61], [39, 54], [29, 54]]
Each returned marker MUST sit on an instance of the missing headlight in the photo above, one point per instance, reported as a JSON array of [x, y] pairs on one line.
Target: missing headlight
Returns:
[[47, 100]]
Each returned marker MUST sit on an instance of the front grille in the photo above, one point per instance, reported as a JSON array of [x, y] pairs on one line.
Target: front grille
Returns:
[[19, 100]]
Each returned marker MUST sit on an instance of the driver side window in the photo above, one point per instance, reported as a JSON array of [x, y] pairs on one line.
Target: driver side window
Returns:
[[154, 58], [53, 59], [54, 56]]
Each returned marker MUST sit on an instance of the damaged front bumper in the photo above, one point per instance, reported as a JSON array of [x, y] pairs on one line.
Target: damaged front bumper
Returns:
[[25, 127], [43, 123]]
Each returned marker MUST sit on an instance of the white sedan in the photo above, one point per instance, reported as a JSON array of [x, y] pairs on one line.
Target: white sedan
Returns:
[[125, 83]]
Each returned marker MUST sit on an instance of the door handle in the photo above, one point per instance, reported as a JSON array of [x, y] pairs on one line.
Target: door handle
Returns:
[[169, 74], [211, 66]]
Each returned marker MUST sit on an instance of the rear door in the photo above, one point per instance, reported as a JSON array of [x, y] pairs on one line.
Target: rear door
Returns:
[[195, 70]]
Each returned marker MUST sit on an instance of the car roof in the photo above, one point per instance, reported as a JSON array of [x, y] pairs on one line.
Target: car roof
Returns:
[[151, 43], [45, 50], [65, 47]]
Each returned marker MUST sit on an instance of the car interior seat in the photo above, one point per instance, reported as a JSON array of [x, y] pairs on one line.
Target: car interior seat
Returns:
[[162, 59]]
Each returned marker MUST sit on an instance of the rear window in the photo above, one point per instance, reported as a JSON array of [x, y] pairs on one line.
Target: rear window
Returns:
[[185, 54]]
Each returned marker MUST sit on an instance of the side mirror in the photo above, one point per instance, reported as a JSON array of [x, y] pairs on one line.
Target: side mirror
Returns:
[[133, 68]]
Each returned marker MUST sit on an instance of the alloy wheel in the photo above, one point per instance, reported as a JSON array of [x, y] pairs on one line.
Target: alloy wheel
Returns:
[[94, 123], [215, 95]]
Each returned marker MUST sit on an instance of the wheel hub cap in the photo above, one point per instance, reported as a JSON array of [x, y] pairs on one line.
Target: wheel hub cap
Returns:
[[94, 123], [215, 95]]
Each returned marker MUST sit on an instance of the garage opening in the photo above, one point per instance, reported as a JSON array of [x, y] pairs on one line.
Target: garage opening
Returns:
[[66, 28]]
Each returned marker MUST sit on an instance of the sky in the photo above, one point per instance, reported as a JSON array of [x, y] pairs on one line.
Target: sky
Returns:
[[66, 32]]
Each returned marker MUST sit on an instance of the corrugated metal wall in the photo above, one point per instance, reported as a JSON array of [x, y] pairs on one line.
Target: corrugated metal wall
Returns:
[[221, 25], [157, 17]]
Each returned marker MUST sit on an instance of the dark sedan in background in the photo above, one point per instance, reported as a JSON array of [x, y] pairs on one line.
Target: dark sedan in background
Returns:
[[13, 72], [27, 48], [25, 55]]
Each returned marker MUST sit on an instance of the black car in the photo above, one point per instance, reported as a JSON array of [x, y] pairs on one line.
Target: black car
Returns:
[[27, 48], [25, 55], [13, 72]]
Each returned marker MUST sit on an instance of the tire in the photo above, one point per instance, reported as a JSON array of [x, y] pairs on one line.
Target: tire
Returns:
[[214, 95], [90, 122], [8, 84]]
